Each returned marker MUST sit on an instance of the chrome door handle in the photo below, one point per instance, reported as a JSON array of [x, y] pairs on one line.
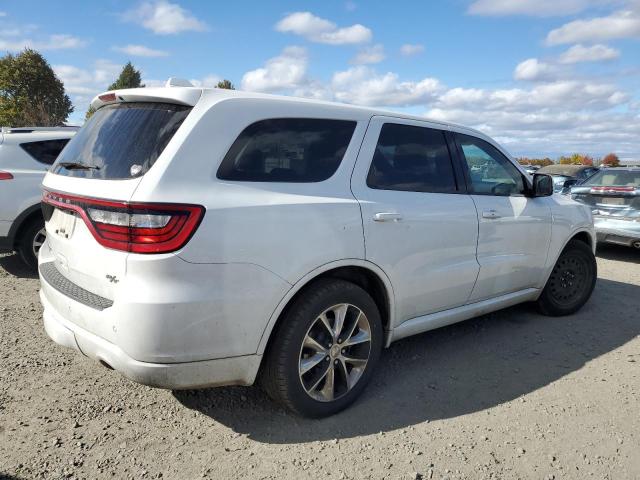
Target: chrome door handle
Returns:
[[490, 214], [387, 217]]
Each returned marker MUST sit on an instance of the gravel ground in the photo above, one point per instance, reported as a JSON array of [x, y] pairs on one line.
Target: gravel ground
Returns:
[[509, 395]]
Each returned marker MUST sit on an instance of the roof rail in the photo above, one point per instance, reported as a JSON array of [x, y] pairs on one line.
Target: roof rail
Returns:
[[38, 129]]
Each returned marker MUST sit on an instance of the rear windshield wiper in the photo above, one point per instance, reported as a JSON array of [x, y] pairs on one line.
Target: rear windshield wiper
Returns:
[[78, 166]]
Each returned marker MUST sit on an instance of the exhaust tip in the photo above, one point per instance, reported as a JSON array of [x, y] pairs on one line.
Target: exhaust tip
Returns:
[[636, 244], [105, 364]]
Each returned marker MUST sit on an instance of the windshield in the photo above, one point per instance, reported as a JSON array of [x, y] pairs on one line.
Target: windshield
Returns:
[[615, 178], [121, 141]]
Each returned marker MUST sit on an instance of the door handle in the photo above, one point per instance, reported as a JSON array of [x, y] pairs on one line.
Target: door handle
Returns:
[[387, 217], [490, 214]]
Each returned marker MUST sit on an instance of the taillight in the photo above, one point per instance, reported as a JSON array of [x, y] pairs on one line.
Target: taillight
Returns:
[[133, 227], [5, 176], [612, 190]]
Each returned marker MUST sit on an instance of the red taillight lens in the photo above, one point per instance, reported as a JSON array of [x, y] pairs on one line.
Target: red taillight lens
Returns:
[[612, 189], [133, 227], [5, 176]]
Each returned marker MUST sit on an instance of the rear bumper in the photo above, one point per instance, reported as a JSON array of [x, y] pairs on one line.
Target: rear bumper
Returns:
[[619, 232], [207, 373]]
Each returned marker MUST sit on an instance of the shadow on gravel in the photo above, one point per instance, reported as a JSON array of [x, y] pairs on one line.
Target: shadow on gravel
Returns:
[[618, 253], [14, 266], [453, 371]]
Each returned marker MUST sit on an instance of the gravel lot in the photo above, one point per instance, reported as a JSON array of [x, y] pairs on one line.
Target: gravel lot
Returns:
[[508, 395]]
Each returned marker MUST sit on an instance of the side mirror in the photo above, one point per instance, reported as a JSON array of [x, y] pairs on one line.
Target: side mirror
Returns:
[[542, 185], [570, 183]]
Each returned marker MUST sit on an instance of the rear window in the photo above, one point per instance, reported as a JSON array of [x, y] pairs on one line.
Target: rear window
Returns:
[[121, 141], [287, 150], [45, 151], [615, 178]]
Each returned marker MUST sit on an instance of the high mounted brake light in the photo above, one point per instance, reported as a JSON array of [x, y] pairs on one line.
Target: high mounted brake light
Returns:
[[5, 176], [108, 97], [133, 227], [612, 190]]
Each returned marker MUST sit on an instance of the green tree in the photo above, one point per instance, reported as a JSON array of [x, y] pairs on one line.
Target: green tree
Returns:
[[30, 92], [225, 84], [129, 78]]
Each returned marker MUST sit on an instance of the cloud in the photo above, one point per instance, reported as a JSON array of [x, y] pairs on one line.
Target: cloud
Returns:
[[408, 49], [320, 30], [363, 86], [141, 51], [595, 53], [534, 70], [286, 71], [538, 8], [52, 42], [3, 14], [374, 54], [620, 24], [164, 18]]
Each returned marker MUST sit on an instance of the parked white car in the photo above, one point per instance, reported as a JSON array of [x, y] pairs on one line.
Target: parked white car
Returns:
[[203, 237], [26, 154]]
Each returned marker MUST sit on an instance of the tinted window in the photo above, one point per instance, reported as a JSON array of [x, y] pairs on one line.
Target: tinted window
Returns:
[[45, 151], [287, 150], [490, 172], [122, 140], [413, 159], [615, 178]]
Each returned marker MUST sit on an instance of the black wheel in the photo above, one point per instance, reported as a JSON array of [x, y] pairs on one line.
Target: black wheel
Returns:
[[31, 239], [571, 281], [325, 349]]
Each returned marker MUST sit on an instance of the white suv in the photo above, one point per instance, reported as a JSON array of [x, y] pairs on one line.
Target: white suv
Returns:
[[26, 154], [203, 237]]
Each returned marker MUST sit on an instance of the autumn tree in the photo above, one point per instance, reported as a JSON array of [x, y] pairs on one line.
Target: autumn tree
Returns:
[[610, 160], [30, 92], [576, 159], [226, 84]]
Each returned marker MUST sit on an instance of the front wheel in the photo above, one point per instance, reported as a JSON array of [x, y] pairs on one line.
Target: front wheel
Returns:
[[324, 350], [571, 282]]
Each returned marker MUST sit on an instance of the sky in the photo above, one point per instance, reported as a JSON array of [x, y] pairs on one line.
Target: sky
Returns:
[[542, 77]]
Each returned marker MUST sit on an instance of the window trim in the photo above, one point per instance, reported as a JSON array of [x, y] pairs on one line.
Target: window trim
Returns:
[[460, 186], [467, 173]]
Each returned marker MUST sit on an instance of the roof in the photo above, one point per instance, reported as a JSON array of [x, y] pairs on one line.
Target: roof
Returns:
[[565, 170], [191, 95]]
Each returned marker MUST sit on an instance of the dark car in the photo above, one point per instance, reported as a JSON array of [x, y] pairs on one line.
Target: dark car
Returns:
[[614, 197], [566, 176]]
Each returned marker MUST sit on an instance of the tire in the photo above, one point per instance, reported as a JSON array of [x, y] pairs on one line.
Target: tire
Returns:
[[571, 282], [31, 238], [297, 356]]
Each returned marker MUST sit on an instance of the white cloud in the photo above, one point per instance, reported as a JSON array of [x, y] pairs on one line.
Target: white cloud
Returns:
[[534, 70], [409, 49], [363, 86], [141, 51], [3, 14], [286, 71], [52, 42], [164, 18], [320, 30], [374, 54], [595, 53], [538, 8], [620, 24]]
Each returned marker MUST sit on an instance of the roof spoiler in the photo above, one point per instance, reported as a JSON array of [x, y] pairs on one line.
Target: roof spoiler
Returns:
[[176, 90], [39, 129]]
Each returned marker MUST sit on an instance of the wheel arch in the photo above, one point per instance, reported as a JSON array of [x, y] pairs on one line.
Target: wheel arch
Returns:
[[21, 221], [365, 274]]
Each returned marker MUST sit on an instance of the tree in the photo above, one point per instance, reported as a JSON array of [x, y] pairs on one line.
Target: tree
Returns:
[[30, 92], [610, 160], [129, 78], [576, 159], [225, 84]]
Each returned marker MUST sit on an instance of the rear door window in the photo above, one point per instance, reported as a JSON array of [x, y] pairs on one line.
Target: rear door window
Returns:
[[121, 141], [413, 159], [297, 150], [45, 151]]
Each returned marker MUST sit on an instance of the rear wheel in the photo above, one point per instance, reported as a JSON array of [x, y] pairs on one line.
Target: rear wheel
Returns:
[[325, 350], [31, 239], [571, 282]]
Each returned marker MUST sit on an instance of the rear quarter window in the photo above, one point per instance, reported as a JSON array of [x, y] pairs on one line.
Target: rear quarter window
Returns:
[[45, 151], [293, 150]]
